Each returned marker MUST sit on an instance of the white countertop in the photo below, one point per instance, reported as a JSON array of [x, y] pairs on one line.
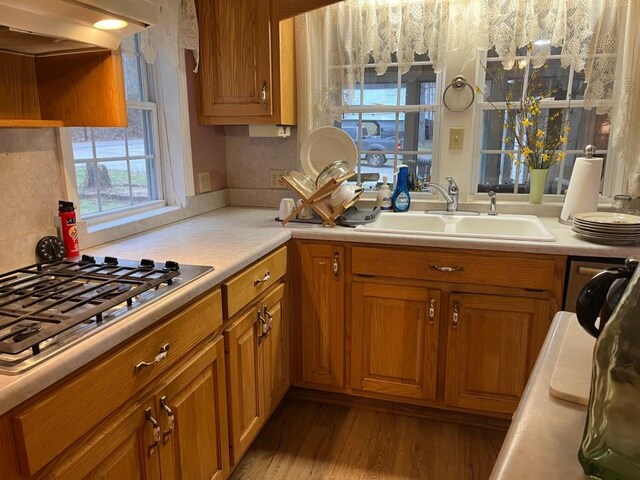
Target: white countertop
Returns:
[[230, 239], [546, 432]]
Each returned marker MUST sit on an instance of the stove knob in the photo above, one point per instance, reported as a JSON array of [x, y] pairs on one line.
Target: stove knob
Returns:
[[110, 261], [87, 259], [147, 263], [171, 265]]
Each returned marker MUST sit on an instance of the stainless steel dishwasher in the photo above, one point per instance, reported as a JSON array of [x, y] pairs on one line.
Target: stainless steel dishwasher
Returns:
[[580, 271]]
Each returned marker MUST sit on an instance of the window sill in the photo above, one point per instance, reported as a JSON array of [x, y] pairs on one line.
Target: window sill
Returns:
[[94, 225]]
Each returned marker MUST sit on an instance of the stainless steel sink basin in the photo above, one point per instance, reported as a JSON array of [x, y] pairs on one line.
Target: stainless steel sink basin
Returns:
[[502, 227]]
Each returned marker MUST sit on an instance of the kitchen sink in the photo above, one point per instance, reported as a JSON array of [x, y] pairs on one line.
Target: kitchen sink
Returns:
[[502, 227]]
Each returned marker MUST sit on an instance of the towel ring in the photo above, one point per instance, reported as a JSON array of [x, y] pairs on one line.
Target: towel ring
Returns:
[[458, 83]]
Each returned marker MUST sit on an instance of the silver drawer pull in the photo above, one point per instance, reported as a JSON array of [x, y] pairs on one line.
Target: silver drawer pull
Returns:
[[266, 278], [455, 315], [156, 431], [432, 311], [457, 268], [162, 354], [170, 418]]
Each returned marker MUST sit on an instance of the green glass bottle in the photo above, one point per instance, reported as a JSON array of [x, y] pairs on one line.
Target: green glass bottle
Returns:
[[610, 448]]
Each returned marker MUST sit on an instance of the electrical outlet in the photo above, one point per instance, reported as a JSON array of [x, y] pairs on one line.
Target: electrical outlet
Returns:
[[204, 179], [275, 179]]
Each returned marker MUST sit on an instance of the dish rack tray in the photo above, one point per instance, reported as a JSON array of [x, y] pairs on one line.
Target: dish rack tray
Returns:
[[327, 215]]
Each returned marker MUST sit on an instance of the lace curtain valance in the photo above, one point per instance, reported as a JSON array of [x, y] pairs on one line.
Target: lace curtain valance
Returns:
[[177, 29]]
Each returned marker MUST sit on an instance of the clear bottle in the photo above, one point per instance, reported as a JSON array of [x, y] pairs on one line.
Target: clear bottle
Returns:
[[401, 199], [383, 198], [610, 446]]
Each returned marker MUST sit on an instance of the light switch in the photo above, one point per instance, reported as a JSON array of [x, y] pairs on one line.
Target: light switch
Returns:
[[456, 138]]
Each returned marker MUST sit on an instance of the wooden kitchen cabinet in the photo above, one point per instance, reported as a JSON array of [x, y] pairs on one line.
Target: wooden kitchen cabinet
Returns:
[[320, 328], [492, 345], [66, 90], [257, 368], [195, 444], [394, 339], [246, 74]]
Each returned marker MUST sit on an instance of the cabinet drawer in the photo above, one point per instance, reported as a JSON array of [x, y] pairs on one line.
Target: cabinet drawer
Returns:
[[50, 425], [496, 269], [247, 285]]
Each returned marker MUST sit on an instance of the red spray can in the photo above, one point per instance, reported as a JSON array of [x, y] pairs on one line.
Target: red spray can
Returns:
[[67, 214]]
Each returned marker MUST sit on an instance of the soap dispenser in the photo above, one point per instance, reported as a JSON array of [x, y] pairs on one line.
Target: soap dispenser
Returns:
[[383, 198], [401, 200]]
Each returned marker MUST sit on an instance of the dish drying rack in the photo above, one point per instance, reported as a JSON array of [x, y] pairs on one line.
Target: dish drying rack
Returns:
[[314, 200]]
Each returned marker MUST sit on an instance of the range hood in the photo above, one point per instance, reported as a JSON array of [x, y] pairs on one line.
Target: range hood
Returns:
[[67, 25]]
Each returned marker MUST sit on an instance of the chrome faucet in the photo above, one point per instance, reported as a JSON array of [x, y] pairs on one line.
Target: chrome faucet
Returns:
[[492, 203], [450, 195]]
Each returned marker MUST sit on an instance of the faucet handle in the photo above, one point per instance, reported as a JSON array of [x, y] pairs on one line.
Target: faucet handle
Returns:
[[453, 186]]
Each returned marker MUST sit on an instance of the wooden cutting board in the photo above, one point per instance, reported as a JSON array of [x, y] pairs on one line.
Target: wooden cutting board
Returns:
[[571, 379]]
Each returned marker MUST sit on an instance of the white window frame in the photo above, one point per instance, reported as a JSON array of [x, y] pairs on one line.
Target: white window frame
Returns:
[[174, 168], [397, 109], [612, 179]]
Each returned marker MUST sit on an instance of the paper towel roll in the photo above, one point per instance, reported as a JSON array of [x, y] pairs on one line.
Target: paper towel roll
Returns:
[[584, 188]]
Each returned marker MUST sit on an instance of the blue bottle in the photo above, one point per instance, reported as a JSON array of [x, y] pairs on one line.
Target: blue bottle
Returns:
[[401, 200]]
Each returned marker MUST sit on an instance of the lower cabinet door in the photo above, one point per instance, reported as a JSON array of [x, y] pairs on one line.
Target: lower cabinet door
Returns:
[[192, 411], [275, 348], [394, 339], [493, 342], [124, 448], [245, 394]]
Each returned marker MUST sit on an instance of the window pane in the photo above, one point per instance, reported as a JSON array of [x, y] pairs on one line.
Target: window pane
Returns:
[[140, 179], [588, 128], [132, 78], [419, 86], [579, 86], [82, 144], [139, 123], [503, 85], [110, 142], [551, 80], [494, 132], [497, 172], [381, 89]]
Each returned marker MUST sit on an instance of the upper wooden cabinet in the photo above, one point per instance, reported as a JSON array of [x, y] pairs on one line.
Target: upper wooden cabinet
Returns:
[[291, 8], [247, 63], [67, 90]]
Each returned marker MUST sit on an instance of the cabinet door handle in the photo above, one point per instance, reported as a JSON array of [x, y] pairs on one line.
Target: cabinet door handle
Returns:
[[264, 96], [455, 315], [336, 264], [432, 311], [267, 314], [455, 268], [156, 431], [265, 279], [264, 326], [162, 354], [170, 417]]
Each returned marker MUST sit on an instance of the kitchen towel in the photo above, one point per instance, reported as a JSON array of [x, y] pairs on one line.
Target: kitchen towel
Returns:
[[584, 188]]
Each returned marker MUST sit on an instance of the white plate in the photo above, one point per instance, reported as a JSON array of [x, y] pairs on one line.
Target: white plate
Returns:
[[325, 146], [608, 218]]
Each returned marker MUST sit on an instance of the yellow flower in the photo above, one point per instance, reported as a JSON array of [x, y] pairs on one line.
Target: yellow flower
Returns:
[[527, 151], [562, 155], [539, 133], [539, 144], [507, 140], [526, 122], [544, 156], [563, 139], [478, 89], [512, 155]]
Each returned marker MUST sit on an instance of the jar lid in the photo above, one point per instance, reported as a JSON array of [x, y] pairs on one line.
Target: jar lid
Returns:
[[622, 197]]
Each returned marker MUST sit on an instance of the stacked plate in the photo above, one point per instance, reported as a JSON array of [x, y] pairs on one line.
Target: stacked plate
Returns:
[[605, 227]]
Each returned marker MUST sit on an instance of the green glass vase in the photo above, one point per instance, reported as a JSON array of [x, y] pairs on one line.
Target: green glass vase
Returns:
[[537, 181]]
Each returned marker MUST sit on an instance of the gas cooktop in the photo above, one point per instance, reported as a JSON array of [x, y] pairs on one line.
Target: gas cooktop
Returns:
[[48, 307]]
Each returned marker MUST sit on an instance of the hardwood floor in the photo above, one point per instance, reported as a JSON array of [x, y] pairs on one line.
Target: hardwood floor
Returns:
[[311, 440]]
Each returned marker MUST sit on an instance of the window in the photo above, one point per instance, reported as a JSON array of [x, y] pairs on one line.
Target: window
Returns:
[[392, 118], [498, 167], [117, 168]]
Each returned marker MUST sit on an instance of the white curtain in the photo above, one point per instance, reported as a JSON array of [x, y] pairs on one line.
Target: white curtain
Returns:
[[336, 42], [177, 29], [625, 118]]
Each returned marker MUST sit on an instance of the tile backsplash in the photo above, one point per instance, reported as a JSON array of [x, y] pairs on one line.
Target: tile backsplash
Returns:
[[249, 161], [30, 187]]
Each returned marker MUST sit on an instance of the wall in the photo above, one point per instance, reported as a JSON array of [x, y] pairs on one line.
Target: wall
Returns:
[[249, 161], [30, 187], [207, 141]]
